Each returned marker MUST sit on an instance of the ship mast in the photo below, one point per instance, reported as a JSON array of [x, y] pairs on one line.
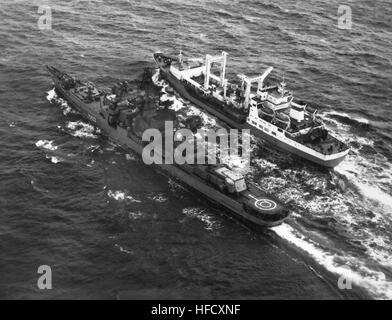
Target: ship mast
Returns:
[[283, 86], [181, 58]]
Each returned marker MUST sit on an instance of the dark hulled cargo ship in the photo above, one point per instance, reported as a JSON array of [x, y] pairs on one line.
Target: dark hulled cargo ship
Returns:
[[123, 119]]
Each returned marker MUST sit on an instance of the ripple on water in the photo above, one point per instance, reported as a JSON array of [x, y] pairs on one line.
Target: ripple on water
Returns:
[[119, 195], [211, 224], [46, 144], [82, 129]]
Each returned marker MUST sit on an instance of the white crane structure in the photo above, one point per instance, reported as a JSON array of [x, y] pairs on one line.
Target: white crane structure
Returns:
[[222, 60], [247, 84]]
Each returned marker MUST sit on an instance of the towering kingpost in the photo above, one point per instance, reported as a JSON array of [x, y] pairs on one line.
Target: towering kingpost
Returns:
[[222, 59], [223, 67], [208, 72], [247, 82]]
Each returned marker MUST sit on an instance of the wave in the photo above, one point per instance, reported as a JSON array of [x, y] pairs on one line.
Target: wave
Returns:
[[122, 249], [354, 131], [157, 197], [130, 157], [121, 196], [82, 129], [345, 118], [37, 188], [52, 97], [368, 180], [201, 214], [51, 94], [54, 159], [346, 203], [135, 215], [348, 267], [46, 144], [367, 176]]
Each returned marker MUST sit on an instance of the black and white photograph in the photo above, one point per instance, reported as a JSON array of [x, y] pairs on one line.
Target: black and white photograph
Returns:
[[215, 152]]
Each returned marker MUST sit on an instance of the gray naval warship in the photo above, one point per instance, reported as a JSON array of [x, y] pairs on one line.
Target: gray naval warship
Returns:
[[123, 117]]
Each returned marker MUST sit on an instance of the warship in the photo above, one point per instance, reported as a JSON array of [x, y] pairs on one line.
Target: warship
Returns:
[[123, 118], [269, 110]]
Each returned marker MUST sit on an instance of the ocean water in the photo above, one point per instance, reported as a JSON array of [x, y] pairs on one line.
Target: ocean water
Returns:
[[111, 227]]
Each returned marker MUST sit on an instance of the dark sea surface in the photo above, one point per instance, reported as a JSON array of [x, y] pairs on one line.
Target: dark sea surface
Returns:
[[111, 227]]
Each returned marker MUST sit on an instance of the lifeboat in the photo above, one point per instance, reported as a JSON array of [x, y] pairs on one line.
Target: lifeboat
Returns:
[[282, 120], [266, 113]]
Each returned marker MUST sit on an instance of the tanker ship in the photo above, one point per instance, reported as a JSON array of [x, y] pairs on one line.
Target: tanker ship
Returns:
[[269, 110], [123, 117]]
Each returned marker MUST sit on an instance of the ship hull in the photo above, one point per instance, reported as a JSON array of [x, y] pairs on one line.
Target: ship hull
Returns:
[[275, 142], [330, 163], [120, 136]]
